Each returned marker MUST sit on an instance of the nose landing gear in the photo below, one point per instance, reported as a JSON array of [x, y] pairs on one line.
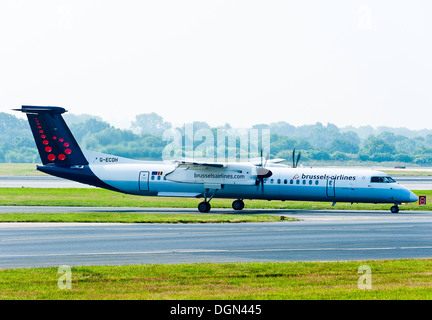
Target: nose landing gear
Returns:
[[394, 209]]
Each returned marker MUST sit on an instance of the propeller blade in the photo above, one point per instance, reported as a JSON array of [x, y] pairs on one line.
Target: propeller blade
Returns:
[[261, 157], [262, 173], [260, 181], [298, 159], [293, 156]]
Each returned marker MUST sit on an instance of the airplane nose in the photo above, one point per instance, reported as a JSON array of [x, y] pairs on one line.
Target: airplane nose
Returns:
[[413, 197], [408, 196]]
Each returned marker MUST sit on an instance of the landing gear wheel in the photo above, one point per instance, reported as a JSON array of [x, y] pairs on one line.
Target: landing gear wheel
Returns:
[[394, 209], [238, 205], [204, 207]]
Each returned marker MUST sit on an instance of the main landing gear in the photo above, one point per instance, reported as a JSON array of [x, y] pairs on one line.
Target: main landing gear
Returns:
[[238, 204], [205, 206]]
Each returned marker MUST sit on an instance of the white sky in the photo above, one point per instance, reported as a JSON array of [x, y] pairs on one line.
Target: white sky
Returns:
[[242, 62]]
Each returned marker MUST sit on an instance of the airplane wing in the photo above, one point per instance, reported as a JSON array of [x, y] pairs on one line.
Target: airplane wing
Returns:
[[257, 161], [198, 165]]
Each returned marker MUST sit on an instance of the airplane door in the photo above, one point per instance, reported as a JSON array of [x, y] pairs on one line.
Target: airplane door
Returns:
[[330, 188], [144, 180]]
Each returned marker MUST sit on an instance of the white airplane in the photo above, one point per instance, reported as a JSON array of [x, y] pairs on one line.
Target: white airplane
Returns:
[[62, 157]]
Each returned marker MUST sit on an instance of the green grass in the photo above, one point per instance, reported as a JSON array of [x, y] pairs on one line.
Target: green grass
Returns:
[[391, 279], [120, 217], [19, 169], [404, 172], [105, 198]]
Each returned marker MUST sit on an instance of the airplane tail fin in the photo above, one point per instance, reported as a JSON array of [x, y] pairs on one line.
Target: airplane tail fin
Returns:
[[54, 140]]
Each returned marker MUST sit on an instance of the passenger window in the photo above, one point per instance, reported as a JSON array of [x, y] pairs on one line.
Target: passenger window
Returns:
[[316, 182], [297, 181], [271, 181], [278, 181], [291, 181], [310, 182], [304, 181]]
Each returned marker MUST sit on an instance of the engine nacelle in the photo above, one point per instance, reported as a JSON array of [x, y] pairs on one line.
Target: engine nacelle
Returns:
[[229, 174]]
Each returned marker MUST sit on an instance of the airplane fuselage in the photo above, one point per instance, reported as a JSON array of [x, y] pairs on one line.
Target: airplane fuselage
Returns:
[[286, 183], [62, 157]]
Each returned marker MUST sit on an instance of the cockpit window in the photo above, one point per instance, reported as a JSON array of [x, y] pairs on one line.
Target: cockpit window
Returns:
[[377, 179], [382, 179]]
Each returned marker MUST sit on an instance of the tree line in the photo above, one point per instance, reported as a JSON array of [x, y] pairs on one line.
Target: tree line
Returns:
[[318, 143]]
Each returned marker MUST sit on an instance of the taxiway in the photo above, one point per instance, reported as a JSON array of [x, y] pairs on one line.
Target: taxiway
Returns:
[[320, 235]]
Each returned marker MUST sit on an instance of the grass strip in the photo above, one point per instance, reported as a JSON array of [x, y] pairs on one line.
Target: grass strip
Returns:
[[19, 169], [390, 279], [126, 217]]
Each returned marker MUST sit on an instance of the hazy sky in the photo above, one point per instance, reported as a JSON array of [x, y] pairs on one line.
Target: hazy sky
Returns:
[[242, 62]]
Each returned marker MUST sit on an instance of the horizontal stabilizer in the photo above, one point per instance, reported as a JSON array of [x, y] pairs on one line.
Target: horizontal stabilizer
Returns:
[[37, 109]]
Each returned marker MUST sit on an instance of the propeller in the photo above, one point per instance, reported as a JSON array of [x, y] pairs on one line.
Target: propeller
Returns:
[[295, 162], [262, 172]]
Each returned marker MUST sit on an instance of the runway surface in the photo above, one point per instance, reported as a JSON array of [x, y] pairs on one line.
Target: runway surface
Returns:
[[39, 182], [321, 235], [415, 182]]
